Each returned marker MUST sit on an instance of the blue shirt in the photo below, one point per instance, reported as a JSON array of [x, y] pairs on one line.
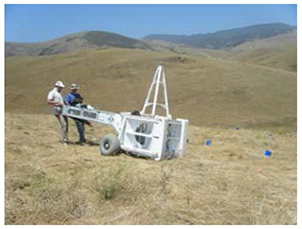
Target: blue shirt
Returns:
[[73, 99]]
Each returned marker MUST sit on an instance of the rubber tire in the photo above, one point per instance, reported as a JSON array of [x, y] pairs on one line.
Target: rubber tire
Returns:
[[109, 145]]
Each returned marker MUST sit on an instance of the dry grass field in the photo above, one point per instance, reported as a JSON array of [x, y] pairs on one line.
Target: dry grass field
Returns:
[[278, 52], [215, 92], [244, 106], [228, 182]]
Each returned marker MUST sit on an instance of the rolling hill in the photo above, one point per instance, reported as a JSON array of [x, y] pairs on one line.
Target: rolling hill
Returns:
[[74, 42], [278, 51], [206, 91], [243, 108], [226, 38]]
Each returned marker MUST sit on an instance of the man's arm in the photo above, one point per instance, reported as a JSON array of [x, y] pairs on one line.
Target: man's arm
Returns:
[[79, 98], [68, 99], [57, 104]]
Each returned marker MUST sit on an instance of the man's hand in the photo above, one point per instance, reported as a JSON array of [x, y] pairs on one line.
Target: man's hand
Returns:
[[56, 104]]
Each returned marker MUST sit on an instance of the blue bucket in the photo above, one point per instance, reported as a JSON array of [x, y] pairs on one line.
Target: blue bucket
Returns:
[[267, 153], [208, 142]]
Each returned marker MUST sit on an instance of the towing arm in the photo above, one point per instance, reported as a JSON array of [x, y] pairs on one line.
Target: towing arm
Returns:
[[109, 118]]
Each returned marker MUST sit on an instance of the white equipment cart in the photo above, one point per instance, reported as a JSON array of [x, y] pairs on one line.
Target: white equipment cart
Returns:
[[142, 134]]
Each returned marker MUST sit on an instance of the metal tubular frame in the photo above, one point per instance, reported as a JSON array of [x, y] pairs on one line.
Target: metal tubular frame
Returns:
[[159, 78]]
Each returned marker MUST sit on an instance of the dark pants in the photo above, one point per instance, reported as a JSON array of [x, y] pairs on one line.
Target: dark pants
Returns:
[[81, 130]]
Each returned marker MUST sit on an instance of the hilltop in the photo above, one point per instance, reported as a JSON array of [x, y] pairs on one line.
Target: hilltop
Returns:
[[73, 42], [226, 38], [221, 40], [279, 51]]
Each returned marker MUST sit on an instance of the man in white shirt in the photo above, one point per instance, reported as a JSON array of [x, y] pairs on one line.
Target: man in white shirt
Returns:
[[55, 99]]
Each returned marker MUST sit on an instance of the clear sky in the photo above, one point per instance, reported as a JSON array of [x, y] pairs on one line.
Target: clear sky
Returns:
[[33, 23]]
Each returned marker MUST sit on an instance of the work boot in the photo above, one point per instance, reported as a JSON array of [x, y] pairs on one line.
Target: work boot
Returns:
[[65, 143], [81, 143]]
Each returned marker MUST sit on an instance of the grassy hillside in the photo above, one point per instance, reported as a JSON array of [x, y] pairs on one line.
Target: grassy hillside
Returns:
[[279, 51], [228, 182], [207, 91], [243, 103], [73, 42], [225, 39]]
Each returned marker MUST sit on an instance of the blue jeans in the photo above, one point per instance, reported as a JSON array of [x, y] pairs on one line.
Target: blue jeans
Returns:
[[81, 130]]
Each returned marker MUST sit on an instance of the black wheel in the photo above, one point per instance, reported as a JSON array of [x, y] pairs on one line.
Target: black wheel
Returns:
[[109, 145]]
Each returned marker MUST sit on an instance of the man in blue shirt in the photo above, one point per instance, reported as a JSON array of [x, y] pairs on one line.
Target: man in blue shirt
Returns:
[[73, 98]]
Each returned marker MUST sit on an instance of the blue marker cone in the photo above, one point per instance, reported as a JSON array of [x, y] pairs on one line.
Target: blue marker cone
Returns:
[[267, 153], [208, 142]]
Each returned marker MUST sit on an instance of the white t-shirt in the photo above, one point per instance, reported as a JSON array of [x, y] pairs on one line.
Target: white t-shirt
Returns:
[[55, 96]]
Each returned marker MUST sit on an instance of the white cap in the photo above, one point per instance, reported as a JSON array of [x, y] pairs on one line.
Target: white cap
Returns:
[[59, 84]]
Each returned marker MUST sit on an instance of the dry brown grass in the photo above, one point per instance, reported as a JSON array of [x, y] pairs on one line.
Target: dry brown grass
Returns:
[[278, 52], [216, 92], [228, 182]]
